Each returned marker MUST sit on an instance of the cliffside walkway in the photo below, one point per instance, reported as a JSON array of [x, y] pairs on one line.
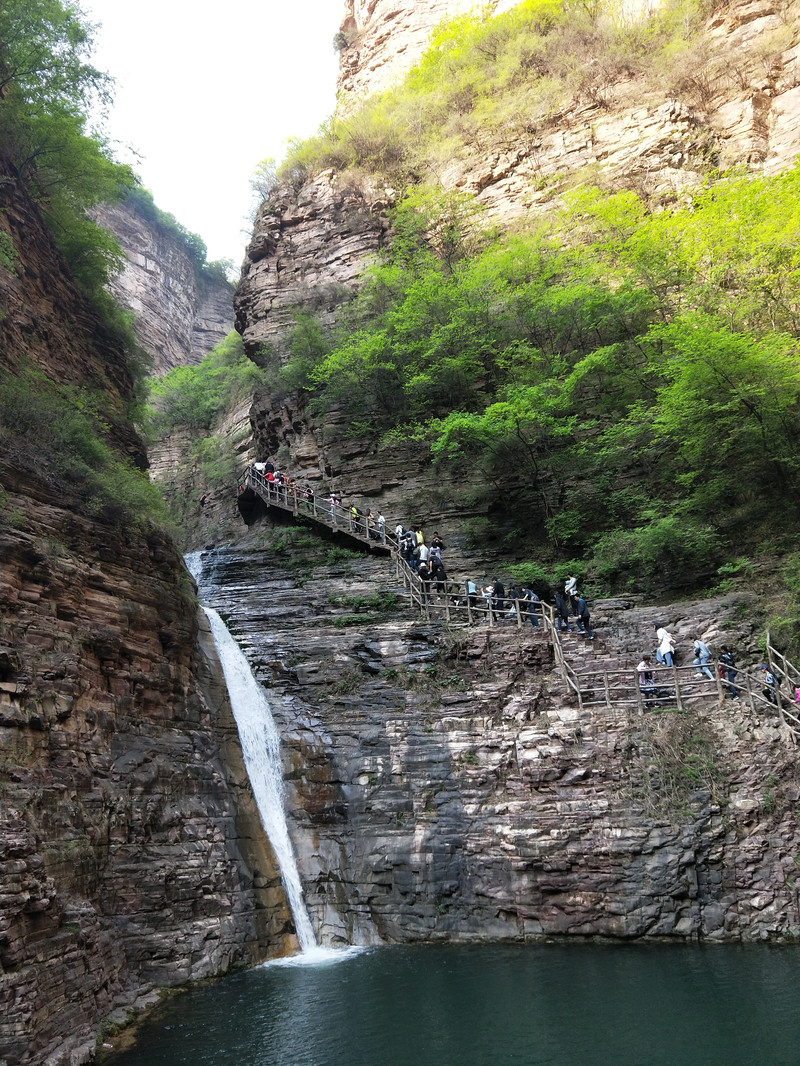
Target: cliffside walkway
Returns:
[[593, 675]]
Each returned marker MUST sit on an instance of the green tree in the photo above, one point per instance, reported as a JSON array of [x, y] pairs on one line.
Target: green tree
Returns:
[[47, 88]]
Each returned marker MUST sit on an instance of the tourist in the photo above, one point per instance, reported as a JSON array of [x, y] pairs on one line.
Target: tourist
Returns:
[[647, 685], [498, 595], [488, 593], [381, 527], [583, 616], [769, 691], [702, 656], [409, 549], [666, 647], [562, 611], [472, 594], [425, 578], [532, 599], [573, 610], [438, 574], [727, 665], [437, 541], [514, 596], [570, 586]]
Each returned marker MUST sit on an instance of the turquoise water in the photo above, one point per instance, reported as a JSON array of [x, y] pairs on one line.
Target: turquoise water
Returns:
[[546, 1004]]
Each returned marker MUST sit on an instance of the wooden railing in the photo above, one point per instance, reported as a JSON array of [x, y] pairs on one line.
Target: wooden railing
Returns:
[[676, 687]]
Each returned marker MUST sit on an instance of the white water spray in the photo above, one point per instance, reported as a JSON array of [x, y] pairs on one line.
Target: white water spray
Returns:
[[260, 742]]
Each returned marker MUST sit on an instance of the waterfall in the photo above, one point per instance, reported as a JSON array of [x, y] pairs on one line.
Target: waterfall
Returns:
[[261, 750], [260, 742]]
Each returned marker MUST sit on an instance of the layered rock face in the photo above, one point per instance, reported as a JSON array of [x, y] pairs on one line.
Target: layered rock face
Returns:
[[308, 249], [130, 852], [442, 785], [385, 38], [179, 317], [739, 104], [208, 513]]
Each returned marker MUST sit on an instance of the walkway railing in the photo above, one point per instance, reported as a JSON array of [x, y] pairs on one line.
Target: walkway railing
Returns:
[[449, 601]]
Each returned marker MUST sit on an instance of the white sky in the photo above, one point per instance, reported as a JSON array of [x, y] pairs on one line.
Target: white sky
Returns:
[[206, 90]]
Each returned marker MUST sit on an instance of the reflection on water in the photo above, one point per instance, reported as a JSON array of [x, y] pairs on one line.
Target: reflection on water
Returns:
[[488, 1005]]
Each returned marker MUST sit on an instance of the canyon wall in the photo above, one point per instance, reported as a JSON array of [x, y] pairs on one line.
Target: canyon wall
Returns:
[[130, 851], [180, 312], [443, 784], [311, 242], [383, 39], [738, 104]]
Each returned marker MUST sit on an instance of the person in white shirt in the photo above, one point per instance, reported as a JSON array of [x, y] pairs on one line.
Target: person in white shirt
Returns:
[[666, 647]]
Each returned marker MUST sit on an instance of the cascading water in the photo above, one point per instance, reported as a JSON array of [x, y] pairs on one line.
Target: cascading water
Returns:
[[260, 742]]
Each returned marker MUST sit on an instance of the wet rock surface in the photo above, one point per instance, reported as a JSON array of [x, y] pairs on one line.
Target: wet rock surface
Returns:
[[442, 785]]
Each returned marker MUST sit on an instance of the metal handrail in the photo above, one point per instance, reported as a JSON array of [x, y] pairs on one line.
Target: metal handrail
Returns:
[[619, 687]]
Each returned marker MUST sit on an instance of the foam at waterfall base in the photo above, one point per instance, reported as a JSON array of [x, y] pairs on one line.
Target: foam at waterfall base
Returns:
[[318, 956]]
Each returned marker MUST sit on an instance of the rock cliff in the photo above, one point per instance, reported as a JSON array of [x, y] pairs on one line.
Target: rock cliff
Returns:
[[309, 248], [443, 787], [740, 106], [180, 313], [382, 39], [130, 853]]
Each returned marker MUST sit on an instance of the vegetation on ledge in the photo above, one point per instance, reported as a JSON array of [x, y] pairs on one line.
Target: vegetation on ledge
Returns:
[[499, 81]]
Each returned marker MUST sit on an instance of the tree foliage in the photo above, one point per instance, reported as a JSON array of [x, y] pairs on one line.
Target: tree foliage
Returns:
[[62, 431], [192, 397], [47, 88], [627, 380]]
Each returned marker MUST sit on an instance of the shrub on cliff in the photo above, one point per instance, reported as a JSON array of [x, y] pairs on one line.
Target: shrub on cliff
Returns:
[[627, 381], [192, 397], [61, 434], [496, 80]]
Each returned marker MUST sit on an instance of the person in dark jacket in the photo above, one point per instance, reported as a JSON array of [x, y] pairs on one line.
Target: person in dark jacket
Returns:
[[582, 612], [727, 665], [562, 611]]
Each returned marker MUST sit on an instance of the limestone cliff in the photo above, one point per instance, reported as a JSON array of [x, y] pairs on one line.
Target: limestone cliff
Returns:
[[382, 39], [738, 104], [130, 854], [308, 250], [180, 313], [443, 786]]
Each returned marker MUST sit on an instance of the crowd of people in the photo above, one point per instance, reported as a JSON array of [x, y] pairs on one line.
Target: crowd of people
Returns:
[[702, 656], [519, 601]]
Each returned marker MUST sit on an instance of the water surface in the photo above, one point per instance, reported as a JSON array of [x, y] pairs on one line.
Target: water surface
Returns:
[[488, 1005]]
